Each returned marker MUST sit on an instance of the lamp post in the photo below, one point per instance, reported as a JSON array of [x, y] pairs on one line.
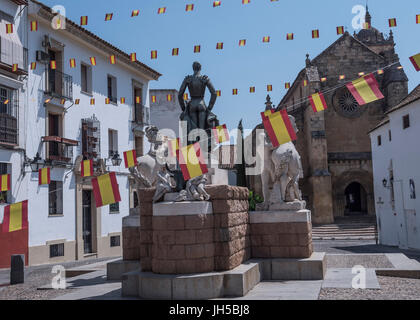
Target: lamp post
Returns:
[[37, 163], [116, 160]]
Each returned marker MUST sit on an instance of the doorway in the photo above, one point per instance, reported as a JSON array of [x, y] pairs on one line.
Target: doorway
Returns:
[[87, 221], [356, 200]]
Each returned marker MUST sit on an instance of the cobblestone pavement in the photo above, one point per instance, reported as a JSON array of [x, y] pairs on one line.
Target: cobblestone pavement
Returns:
[[36, 277], [391, 289]]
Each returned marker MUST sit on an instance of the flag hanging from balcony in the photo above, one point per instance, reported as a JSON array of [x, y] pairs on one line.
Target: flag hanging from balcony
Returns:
[[53, 64], [392, 22], [161, 10], [219, 46], [234, 92], [318, 102], [112, 59], [34, 25], [93, 61], [242, 42], [269, 88], [218, 93], [87, 168], [15, 217], [173, 147], [107, 100], [105, 189], [5, 182], [175, 51], [138, 99], [365, 89], [108, 16], [415, 60], [197, 49], [15, 67], [72, 63], [279, 128], [130, 159], [266, 39], [77, 101], [153, 54], [62, 101], [221, 134], [83, 20], [44, 176], [315, 34], [9, 28], [340, 30], [133, 57], [251, 89], [33, 65], [216, 4], [135, 13], [122, 100], [191, 161], [92, 102], [189, 7], [290, 36], [266, 113]]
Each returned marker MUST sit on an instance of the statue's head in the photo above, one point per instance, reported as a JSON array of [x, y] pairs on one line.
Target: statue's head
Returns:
[[151, 133], [196, 66]]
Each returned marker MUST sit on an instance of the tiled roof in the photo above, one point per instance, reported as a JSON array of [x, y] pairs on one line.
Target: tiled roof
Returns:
[[412, 96]]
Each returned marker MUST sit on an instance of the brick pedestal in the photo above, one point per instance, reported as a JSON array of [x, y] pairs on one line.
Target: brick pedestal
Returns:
[[145, 241]]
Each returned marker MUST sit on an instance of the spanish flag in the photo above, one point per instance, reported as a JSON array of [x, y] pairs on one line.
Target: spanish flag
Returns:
[[418, 19], [318, 102], [105, 189], [133, 57], [305, 83], [191, 161], [92, 102], [315, 34], [185, 96], [161, 10], [323, 79], [242, 43], [169, 97], [15, 67], [33, 65], [266, 39], [6, 101], [130, 159], [108, 16], [83, 20], [9, 28], [366, 25], [93, 61], [72, 63], [138, 99], [218, 93], [415, 60], [112, 59], [246, 1], [221, 134], [175, 51], [266, 113], [153, 99], [77, 101], [34, 25], [62, 101], [279, 128], [340, 30], [269, 87], [189, 7], [15, 217], [53, 64], [197, 49], [365, 89], [216, 4], [5, 182], [173, 147], [287, 85], [153, 54], [135, 13], [87, 168], [342, 77], [252, 89], [234, 92], [392, 22], [290, 36], [122, 100], [107, 100], [44, 176], [219, 46]]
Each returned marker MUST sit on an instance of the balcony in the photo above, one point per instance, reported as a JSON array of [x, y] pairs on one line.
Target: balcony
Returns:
[[141, 115], [9, 122], [59, 85], [58, 149]]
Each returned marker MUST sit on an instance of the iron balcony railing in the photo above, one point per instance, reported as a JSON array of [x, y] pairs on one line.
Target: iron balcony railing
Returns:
[[59, 85], [9, 121], [141, 115], [59, 149]]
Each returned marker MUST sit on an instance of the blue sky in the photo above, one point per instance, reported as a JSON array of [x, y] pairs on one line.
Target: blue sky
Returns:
[[257, 64]]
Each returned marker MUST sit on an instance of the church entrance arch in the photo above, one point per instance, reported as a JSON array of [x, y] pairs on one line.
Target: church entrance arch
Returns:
[[356, 199]]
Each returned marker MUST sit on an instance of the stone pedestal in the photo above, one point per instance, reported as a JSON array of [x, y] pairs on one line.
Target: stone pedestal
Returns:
[[17, 269]]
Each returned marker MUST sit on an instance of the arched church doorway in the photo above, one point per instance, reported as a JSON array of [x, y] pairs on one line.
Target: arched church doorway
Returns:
[[356, 200]]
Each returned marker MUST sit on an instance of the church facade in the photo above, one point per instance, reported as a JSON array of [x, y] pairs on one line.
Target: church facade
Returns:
[[334, 144]]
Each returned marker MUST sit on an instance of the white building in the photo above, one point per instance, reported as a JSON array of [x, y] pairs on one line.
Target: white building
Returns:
[[396, 168], [64, 223]]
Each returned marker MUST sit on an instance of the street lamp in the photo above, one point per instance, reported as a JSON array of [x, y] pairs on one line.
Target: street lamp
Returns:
[[37, 163], [116, 160]]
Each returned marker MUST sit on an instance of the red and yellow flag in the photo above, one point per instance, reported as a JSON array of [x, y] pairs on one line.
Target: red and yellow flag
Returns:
[[219, 46], [252, 89], [87, 168], [53, 64], [92, 102], [15, 217], [340, 30], [189, 7], [133, 57], [365, 89], [217, 3], [122, 100], [315, 34], [107, 100], [130, 159], [218, 93], [169, 97], [234, 92], [366, 25], [44, 176], [105, 189], [392, 22], [161, 10], [173, 147], [77, 101], [197, 49], [135, 13], [246, 1], [108, 16], [342, 77], [318, 102], [418, 19], [138, 99], [290, 36], [83, 20], [33, 65], [221, 134], [9, 28], [242, 42], [266, 113], [266, 39], [72, 63], [15, 67], [269, 87], [5, 182], [415, 60], [34, 25], [153, 99], [185, 96], [112, 59], [305, 83], [153, 54], [279, 128], [93, 61], [191, 161], [287, 85], [63, 101], [175, 51], [323, 79]]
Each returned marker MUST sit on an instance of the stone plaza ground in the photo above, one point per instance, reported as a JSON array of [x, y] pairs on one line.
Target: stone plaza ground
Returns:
[[341, 256]]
